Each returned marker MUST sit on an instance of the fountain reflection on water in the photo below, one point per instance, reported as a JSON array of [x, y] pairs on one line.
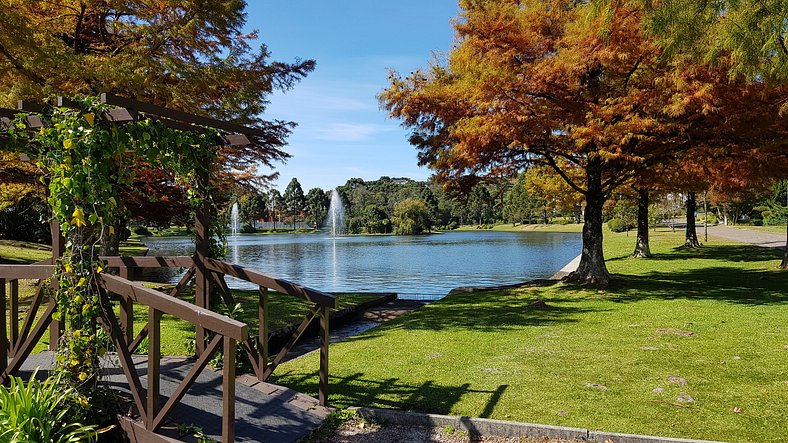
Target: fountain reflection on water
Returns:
[[234, 228]]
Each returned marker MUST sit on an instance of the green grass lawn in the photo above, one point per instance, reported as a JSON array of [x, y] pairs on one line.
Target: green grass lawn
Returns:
[[19, 253], [714, 317], [508, 227]]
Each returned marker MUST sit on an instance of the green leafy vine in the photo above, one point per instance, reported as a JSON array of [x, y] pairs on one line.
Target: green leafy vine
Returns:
[[85, 160]]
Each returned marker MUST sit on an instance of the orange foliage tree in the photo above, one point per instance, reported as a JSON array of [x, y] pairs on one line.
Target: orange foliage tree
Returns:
[[549, 82]]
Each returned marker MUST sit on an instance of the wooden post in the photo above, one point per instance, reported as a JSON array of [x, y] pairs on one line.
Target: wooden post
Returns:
[[56, 327], [3, 334], [126, 310], [154, 363], [262, 362], [14, 320], [324, 339], [228, 391], [202, 241]]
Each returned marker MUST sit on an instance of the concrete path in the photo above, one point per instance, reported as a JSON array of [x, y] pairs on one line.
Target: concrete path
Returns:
[[757, 238], [263, 411]]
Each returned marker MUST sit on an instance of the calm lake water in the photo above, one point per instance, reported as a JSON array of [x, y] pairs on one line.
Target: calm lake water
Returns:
[[425, 267]]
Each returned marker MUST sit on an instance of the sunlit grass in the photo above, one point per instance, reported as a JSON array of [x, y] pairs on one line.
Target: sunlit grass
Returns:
[[714, 317]]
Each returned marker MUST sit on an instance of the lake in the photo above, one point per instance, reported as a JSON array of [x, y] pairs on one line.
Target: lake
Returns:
[[422, 267]]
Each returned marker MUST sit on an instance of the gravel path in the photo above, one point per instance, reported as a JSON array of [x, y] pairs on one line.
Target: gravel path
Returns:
[[757, 238]]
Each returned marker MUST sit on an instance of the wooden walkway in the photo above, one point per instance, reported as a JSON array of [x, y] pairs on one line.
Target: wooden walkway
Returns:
[[264, 412]]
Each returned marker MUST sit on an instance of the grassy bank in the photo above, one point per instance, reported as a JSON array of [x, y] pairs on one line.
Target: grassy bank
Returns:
[[771, 229], [706, 325], [508, 227]]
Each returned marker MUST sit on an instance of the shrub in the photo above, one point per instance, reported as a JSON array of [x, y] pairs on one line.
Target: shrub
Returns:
[[618, 225], [142, 230], [41, 412], [248, 229]]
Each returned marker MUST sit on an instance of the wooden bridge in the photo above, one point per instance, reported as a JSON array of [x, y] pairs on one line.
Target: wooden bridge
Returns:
[[164, 390]]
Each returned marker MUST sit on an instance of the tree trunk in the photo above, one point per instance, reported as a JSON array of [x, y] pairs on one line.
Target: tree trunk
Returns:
[[642, 249], [592, 269], [691, 234], [784, 264]]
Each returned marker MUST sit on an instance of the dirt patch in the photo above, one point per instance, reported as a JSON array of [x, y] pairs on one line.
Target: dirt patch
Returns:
[[674, 331]]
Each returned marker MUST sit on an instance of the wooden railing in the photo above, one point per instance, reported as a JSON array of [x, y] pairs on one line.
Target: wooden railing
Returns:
[[213, 329]]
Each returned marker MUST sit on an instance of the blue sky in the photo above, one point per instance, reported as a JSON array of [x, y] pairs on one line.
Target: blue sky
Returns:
[[341, 132]]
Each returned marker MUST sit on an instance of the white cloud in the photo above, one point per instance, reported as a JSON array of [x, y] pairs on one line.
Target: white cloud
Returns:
[[350, 132]]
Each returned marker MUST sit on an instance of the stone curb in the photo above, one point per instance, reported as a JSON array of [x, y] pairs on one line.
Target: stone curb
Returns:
[[502, 428]]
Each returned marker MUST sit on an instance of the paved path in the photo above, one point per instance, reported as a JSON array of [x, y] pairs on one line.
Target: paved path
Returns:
[[263, 411], [758, 238]]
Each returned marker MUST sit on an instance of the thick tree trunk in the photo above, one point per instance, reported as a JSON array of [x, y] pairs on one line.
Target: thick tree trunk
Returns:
[[691, 234], [592, 269], [642, 249]]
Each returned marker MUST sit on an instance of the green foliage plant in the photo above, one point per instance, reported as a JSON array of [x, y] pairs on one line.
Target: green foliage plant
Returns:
[[41, 412], [85, 160]]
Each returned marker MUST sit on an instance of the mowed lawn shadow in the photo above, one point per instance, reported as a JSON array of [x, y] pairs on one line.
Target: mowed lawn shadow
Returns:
[[392, 393], [731, 253], [722, 283], [492, 311]]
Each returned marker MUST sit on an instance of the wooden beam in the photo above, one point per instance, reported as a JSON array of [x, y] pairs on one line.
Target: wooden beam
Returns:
[[3, 330], [187, 382], [276, 284], [293, 339], [112, 327], [182, 282], [154, 365], [325, 314], [262, 316], [173, 114], [174, 306], [148, 262], [26, 272], [228, 391]]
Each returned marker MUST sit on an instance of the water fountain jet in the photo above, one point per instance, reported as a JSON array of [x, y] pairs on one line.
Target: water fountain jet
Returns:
[[335, 220]]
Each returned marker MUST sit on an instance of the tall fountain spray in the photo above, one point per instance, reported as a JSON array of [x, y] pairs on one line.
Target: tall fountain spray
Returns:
[[335, 220], [234, 224], [234, 228]]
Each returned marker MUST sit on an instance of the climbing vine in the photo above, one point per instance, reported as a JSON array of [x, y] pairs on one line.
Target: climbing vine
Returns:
[[85, 160]]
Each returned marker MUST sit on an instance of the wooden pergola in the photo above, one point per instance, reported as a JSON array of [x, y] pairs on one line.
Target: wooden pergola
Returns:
[[212, 329]]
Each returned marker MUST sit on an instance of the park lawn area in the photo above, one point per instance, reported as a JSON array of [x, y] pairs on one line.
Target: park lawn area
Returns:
[[20, 253], [177, 336], [714, 317], [508, 227]]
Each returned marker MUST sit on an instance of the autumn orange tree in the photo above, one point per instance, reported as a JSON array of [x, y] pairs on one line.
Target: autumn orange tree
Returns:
[[188, 55], [551, 82]]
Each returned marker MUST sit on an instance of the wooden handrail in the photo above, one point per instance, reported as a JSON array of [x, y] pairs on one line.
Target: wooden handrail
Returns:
[[205, 318], [26, 272], [149, 262], [279, 285]]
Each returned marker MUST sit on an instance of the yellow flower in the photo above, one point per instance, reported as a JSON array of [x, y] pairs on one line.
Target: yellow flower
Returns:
[[78, 217], [68, 143], [90, 118], [69, 268], [82, 376], [74, 362]]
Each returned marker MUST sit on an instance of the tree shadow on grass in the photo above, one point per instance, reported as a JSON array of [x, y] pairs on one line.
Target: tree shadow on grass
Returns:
[[491, 311], [730, 253], [728, 284], [392, 393]]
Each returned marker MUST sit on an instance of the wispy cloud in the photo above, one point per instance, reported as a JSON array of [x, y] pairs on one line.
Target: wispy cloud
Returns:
[[350, 132]]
